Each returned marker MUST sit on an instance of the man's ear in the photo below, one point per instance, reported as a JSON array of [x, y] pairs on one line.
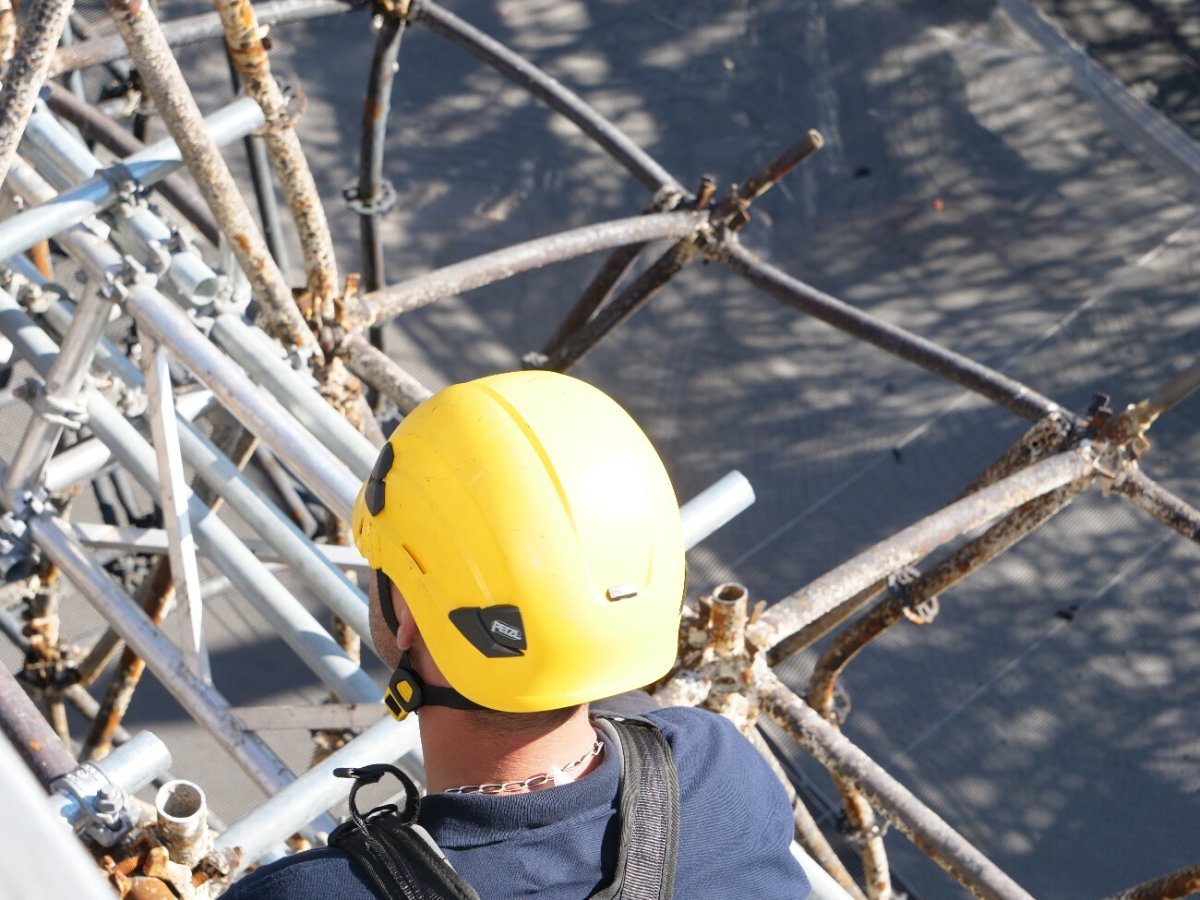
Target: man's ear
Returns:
[[406, 634]]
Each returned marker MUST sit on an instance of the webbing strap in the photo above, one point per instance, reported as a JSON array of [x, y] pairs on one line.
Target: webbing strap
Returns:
[[649, 815], [404, 863]]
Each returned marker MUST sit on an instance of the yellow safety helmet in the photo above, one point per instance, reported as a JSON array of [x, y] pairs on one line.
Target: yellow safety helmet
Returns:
[[533, 532]]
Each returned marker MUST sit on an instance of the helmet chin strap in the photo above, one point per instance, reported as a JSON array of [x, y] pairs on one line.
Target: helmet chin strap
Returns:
[[406, 690]]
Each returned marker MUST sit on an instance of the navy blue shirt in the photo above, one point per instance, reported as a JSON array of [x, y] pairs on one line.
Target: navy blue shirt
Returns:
[[735, 831]]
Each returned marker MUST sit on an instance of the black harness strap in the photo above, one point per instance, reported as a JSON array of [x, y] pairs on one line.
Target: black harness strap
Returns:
[[648, 807], [404, 863]]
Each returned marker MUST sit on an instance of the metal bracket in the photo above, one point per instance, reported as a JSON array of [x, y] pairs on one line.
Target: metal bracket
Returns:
[[69, 414], [920, 613], [377, 207], [104, 806], [131, 193], [16, 548]]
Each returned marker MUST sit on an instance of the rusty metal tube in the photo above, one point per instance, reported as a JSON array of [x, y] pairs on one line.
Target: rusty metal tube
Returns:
[[154, 595], [499, 264], [727, 621], [384, 374], [192, 30], [371, 197], [183, 821], [1151, 497], [625, 304], [40, 34], [808, 834], [605, 280], [1001, 389], [243, 37], [918, 540], [165, 84], [30, 734], [1182, 883], [896, 803], [490, 51], [849, 643], [966, 559]]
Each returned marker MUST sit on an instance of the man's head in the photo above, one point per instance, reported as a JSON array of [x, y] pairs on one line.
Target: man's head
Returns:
[[534, 537]]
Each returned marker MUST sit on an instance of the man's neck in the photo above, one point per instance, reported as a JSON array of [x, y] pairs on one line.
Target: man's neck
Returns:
[[463, 748]]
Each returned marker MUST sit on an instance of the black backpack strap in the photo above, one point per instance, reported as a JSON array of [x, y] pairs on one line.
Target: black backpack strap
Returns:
[[401, 859], [648, 812]]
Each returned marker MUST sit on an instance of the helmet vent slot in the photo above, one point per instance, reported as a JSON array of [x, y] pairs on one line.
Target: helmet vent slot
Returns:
[[416, 559]]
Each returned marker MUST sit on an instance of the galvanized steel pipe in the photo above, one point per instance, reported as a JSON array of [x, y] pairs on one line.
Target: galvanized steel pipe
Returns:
[[20, 232], [316, 790], [321, 471]]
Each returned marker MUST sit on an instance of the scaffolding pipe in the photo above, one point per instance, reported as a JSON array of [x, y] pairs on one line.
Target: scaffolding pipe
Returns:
[[327, 580], [372, 196], [640, 292], [921, 825], [244, 40], [998, 388], [384, 374], [23, 78], [27, 828], [294, 624], [605, 280], [29, 732], [548, 90], [260, 357], [165, 85], [1151, 497], [20, 232], [96, 126], [919, 540], [1184, 882], [315, 790], [200, 700], [60, 404], [714, 507], [489, 267], [319, 469], [192, 30], [995, 541]]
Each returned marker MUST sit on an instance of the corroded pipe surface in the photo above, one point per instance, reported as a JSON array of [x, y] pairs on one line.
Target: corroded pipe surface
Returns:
[[370, 198], [917, 541], [924, 828], [600, 287], [489, 267], [243, 37], [31, 734], [1001, 389], [191, 30], [384, 374], [40, 34], [528, 76], [1150, 496], [165, 84], [808, 833], [966, 559], [625, 304], [1183, 883]]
